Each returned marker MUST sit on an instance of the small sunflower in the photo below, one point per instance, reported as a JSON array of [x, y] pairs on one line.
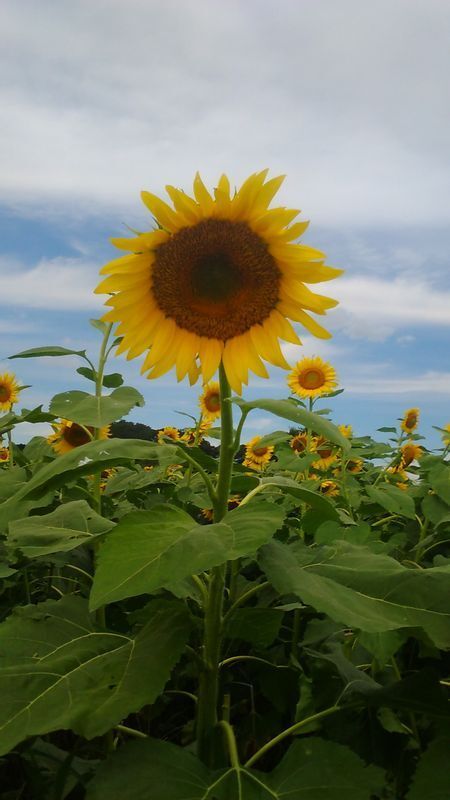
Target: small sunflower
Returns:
[[409, 452], [299, 443], [446, 435], [346, 431], [233, 502], [168, 433], [329, 488], [193, 436], [217, 281], [209, 401], [68, 435], [9, 391], [312, 377], [410, 420], [4, 455], [257, 457], [354, 465], [326, 451]]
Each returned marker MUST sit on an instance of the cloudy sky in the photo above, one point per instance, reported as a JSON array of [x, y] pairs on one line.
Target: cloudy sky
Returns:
[[349, 99]]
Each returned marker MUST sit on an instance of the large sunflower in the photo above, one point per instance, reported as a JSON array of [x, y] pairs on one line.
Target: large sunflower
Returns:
[[312, 377], [9, 391], [218, 280], [68, 435]]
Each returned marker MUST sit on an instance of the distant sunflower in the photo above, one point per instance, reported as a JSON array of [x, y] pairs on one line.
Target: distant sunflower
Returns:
[[256, 455], [209, 400], [9, 391], [4, 455], [354, 465], [193, 436], [68, 435], [312, 377], [329, 488], [446, 435], [410, 420], [299, 443], [409, 452], [326, 452], [218, 280], [168, 433], [346, 431]]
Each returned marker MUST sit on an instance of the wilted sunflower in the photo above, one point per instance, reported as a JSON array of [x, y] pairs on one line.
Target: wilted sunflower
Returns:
[[217, 281], [68, 435], [410, 420], [9, 391], [312, 377], [169, 433], [409, 452], [256, 457], [209, 400], [326, 452]]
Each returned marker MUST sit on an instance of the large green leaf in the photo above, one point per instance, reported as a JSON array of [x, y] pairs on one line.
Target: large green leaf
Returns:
[[84, 460], [432, 778], [87, 409], [392, 499], [152, 549], [312, 769], [364, 590], [59, 672], [288, 410], [313, 499], [70, 525], [10, 420]]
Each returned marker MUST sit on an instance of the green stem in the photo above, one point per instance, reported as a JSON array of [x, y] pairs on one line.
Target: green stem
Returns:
[[244, 597], [231, 744], [208, 695], [97, 494], [289, 732]]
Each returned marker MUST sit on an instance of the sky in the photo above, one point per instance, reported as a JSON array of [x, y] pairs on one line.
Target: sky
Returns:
[[103, 98]]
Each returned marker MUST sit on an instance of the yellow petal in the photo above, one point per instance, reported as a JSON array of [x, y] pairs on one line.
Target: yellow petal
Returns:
[[292, 311], [294, 232], [299, 292], [163, 365], [251, 356], [184, 204], [267, 193], [202, 195], [162, 344], [210, 353], [267, 346], [162, 212], [128, 264], [118, 283], [193, 373], [229, 367], [311, 272], [186, 351], [283, 328]]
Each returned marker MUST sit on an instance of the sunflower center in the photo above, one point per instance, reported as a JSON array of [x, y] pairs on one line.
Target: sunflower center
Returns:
[[216, 279], [260, 451], [311, 379], [76, 435], [5, 394], [299, 444], [411, 420], [212, 403]]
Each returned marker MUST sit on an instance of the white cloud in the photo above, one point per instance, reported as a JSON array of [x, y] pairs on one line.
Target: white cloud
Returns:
[[431, 383], [104, 98], [56, 284]]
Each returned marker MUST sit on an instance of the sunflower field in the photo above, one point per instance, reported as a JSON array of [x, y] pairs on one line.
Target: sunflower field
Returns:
[[196, 615]]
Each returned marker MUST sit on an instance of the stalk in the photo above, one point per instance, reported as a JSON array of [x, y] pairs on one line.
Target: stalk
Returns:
[[103, 355], [208, 696]]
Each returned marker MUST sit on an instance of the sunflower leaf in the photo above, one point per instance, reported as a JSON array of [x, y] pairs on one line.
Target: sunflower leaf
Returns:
[[50, 351], [86, 409]]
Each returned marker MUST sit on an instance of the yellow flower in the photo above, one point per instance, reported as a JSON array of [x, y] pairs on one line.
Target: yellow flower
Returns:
[[312, 377], [209, 400], [328, 455], [68, 435], [218, 280], [169, 433], [346, 430], [257, 457], [446, 434], [233, 502], [9, 391], [4, 455], [299, 443], [193, 436], [409, 452], [410, 420], [329, 488], [354, 465]]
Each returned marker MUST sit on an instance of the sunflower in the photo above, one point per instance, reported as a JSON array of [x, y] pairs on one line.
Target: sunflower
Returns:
[[218, 280], [193, 436], [410, 420], [257, 457], [346, 431], [68, 435], [9, 391], [446, 434], [326, 451], [233, 502], [329, 488], [409, 452], [312, 377], [354, 465], [169, 433], [299, 443], [209, 400], [4, 455]]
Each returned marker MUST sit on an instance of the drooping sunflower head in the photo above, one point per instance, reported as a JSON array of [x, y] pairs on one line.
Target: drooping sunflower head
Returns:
[[68, 435], [219, 280], [9, 391], [312, 377], [409, 452], [354, 465], [410, 420], [257, 455], [209, 401], [168, 433]]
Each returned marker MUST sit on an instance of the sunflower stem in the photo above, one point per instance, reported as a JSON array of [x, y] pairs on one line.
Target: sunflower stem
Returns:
[[99, 372], [209, 745]]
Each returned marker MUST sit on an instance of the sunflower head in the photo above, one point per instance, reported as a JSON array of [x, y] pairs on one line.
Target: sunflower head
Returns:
[[9, 391], [329, 488], [410, 420], [168, 433], [209, 401], [354, 465], [218, 280], [409, 452], [346, 431], [446, 435], [257, 456], [4, 455], [299, 443], [67, 435], [312, 377], [327, 453]]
